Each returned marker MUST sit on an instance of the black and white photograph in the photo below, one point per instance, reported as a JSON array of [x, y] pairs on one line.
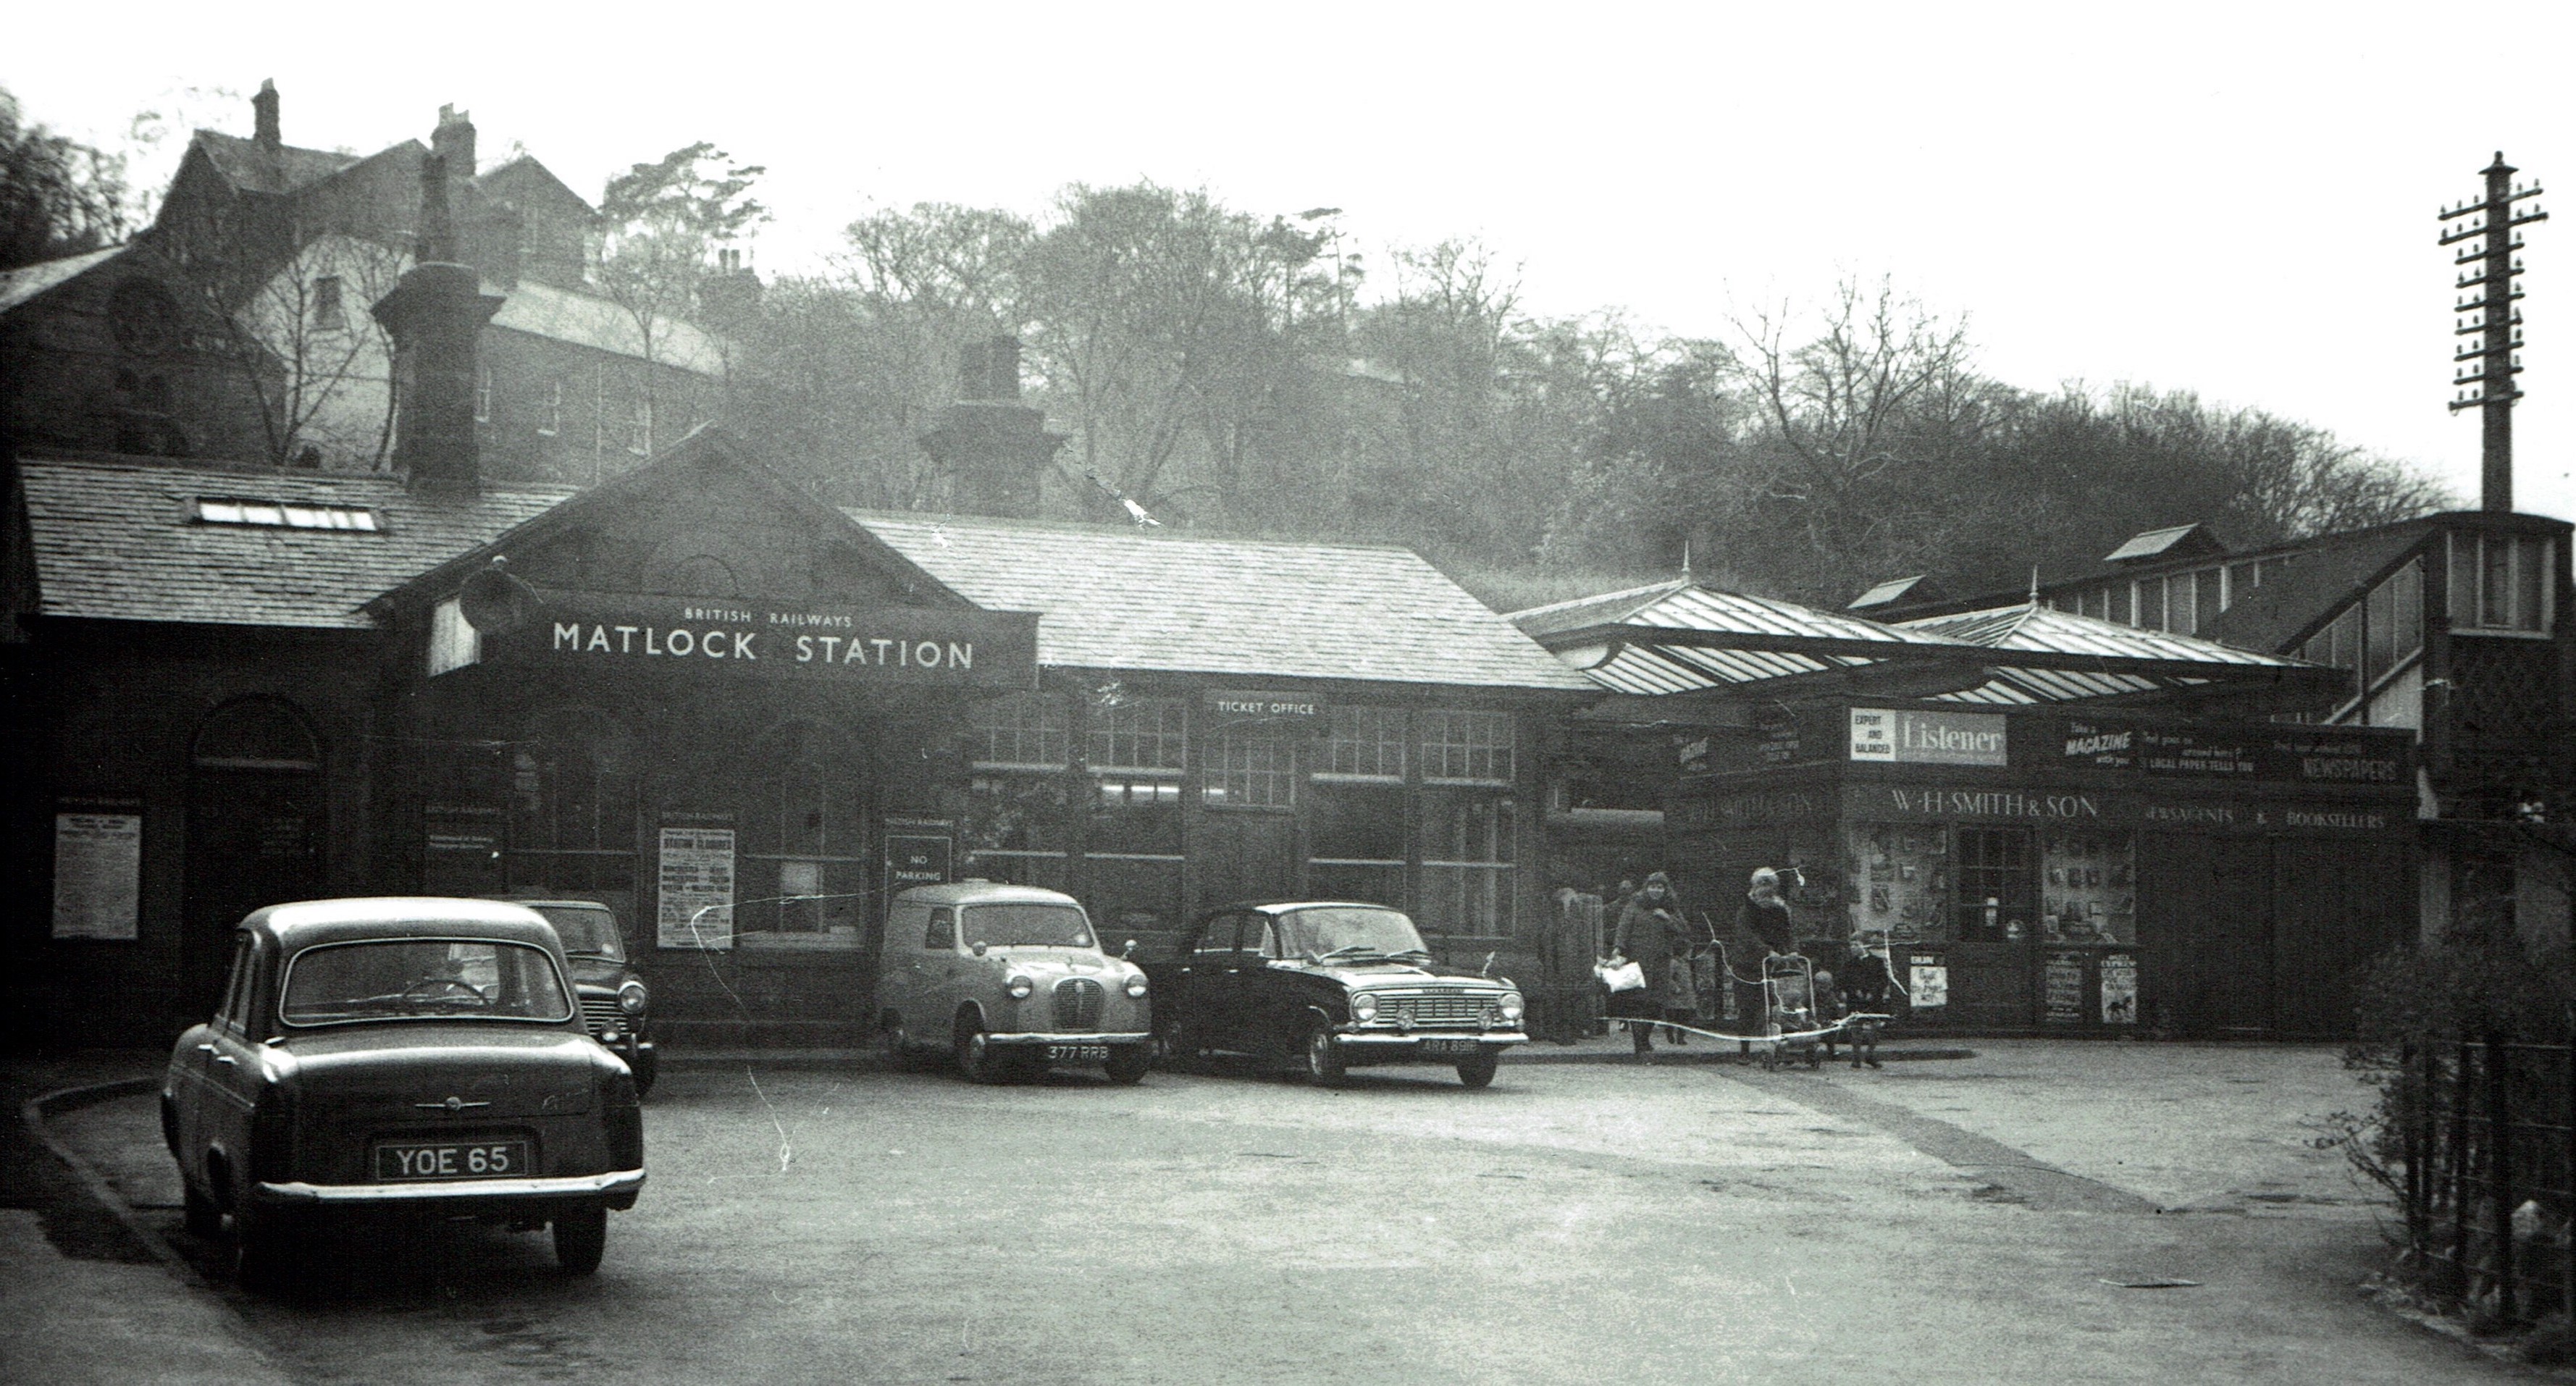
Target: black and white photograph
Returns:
[[1113, 693]]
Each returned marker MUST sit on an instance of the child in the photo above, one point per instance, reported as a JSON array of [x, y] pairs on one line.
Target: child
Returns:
[[1862, 982]]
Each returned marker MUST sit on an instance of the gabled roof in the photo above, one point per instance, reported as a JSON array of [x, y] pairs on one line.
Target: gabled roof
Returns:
[[119, 541], [30, 281], [526, 171], [2176, 541], [1125, 599], [1593, 611], [2063, 632], [253, 167], [542, 310]]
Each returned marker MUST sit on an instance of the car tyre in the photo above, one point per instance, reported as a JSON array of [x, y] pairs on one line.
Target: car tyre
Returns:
[[581, 1237], [1324, 1062], [200, 1213], [1479, 1071], [264, 1248], [1128, 1062], [976, 1058]]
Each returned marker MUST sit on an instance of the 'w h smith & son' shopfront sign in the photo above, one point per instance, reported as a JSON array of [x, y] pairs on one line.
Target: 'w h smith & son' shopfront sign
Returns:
[[748, 639]]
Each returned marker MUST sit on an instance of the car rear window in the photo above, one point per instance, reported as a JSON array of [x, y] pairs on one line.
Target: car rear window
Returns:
[[585, 929], [1032, 925], [423, 979]]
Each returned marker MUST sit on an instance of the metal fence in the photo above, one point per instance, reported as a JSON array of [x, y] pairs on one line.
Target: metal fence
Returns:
[[2485, 1164]]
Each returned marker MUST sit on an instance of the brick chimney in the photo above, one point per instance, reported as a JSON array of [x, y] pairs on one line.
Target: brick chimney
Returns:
[[263, 115], [991, 446], [435, 316], [453, 141]]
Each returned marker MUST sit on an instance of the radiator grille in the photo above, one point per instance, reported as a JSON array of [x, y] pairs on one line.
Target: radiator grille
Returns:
[[601, 1014], [1078, 1002]]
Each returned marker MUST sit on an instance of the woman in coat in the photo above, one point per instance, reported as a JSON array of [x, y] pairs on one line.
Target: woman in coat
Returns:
[[1651, 934]]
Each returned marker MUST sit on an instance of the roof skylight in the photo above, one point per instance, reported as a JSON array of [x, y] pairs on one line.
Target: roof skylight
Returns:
[[237, 510]]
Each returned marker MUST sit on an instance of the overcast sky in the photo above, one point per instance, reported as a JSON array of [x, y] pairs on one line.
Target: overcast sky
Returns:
[[2235, 199]]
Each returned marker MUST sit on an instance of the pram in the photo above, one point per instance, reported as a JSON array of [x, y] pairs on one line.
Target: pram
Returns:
[[1789, 1007]]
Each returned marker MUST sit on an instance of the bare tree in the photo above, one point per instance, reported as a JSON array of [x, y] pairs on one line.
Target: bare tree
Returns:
[[57, 196]]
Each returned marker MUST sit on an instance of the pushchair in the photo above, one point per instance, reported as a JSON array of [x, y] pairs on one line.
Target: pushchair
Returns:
[[1789, 1003]]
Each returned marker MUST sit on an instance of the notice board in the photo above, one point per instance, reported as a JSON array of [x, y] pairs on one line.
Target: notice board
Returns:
[[98, 875], [695, 875]]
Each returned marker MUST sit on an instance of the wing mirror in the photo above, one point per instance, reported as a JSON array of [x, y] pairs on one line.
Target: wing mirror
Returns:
[[1129, 951], [977, 947]]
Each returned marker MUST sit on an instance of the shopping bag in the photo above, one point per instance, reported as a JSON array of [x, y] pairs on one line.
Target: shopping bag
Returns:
[[1619, 977]]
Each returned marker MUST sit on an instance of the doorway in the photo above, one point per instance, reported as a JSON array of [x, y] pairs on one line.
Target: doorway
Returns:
[[2206, 930], [255, 832]]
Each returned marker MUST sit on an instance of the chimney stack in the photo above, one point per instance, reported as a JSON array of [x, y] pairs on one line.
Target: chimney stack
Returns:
[[992, 446], [436, 316], [453, 141], [263, 111]]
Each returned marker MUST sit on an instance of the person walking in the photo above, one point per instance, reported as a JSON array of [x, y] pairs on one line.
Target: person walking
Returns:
[[1650, 934]]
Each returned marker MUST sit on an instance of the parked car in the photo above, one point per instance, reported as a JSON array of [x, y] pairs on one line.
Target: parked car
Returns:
[[1332, 984], [1007, 979], [399, 1058], [615, 1003]]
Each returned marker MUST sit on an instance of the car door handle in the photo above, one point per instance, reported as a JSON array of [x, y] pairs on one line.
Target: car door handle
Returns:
[[205, 1049], [226, 1060]]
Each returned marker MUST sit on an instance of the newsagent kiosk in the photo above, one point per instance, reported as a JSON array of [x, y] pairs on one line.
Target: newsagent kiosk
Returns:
[[2038, 869]]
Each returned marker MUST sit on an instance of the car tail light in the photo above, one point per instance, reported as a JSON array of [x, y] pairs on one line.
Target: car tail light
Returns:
[[624, 1119], [272, 1137]]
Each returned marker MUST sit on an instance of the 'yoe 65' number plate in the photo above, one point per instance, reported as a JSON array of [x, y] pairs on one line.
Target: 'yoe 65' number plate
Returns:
[[452, 1160]]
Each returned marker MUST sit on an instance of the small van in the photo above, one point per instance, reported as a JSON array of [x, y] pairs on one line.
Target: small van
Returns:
[[1008, 980]]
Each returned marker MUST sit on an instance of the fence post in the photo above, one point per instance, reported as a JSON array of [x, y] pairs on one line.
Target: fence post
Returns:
[[2410, 1148], [2567, 1167], [2499, 1076], [2459, 1171]]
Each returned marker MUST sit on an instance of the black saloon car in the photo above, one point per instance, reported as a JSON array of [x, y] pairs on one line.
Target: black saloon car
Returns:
[[615, 1003], [399, 1058], [1334, 984]]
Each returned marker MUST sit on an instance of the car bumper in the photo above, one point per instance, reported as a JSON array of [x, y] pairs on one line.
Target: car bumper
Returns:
[[1082, 1037], [617, 1188], [1393, 1045]]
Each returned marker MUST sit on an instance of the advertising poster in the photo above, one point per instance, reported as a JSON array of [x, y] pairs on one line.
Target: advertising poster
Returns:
[[2120, 989], [2062, 989], [1928, 986], [98, 875], [696, 878], [1905, 736]]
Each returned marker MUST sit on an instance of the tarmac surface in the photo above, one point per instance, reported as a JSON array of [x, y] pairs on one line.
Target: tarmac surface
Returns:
[[2056, 1183]]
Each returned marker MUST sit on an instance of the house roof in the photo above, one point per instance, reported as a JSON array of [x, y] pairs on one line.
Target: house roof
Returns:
[[255, 167], [29, 281], [120, 541], [542, 310], [1165, 602]]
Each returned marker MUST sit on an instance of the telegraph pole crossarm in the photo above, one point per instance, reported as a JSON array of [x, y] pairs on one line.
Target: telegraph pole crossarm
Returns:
[[2488, 385]]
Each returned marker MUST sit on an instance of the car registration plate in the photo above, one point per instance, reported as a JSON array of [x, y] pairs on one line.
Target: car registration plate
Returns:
[[1076, 1053], [406, 1160], [1450, 1046]]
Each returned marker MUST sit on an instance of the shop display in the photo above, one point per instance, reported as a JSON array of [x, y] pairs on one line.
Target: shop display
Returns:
[[2089, 888], [1900, 881]]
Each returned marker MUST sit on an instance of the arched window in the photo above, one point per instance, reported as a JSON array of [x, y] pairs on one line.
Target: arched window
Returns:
[[256, 734], [572, 806], [698, 575], [806, 837]]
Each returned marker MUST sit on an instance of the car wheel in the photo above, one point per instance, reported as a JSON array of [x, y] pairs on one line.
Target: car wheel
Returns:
[[894, 1048], [1128, 1062], [1324, 1057], [976, 1057], [1479, 1071], [264, 1247], [581, 1236], [202, 1217]]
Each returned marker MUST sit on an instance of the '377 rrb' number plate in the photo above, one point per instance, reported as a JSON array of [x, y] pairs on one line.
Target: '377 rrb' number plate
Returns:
[[451, 1160], [1076, 1053]]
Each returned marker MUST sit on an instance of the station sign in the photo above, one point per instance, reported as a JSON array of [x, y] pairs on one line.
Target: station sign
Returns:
[[1256, 705], [699, 637]]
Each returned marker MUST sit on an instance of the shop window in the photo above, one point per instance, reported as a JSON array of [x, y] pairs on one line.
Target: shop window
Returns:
[[1366, 744], [1901, 881], [1467, 747], [803, 867], [1253, 769], [1015, 829], [1355, 840], [572, 807], [1467, 851], [1999, 893], [2501, 582], [2090, 891]]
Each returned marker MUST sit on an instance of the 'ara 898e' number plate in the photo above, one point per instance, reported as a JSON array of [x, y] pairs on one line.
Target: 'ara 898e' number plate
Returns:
[[452, 1160]]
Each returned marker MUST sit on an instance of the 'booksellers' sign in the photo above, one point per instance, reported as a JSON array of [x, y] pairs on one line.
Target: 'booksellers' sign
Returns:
[[1903, 736]]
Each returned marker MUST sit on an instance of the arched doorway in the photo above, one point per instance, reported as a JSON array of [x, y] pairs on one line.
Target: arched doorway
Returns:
[[255, 833]]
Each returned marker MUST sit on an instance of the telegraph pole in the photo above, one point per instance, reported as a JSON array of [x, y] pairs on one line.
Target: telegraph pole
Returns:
[[2498, 324]]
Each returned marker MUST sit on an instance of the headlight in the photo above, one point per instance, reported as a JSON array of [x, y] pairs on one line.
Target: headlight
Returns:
[[1512, 1007], [1019, 988], [631, 997], [1363, 1007], [1136, 987]]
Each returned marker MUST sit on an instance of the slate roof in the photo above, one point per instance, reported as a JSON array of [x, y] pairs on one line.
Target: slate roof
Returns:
[[117, 541], [2296, 597], [246, 163], [542, 310], [2173, 541], [1164, 602], [27, 281]]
